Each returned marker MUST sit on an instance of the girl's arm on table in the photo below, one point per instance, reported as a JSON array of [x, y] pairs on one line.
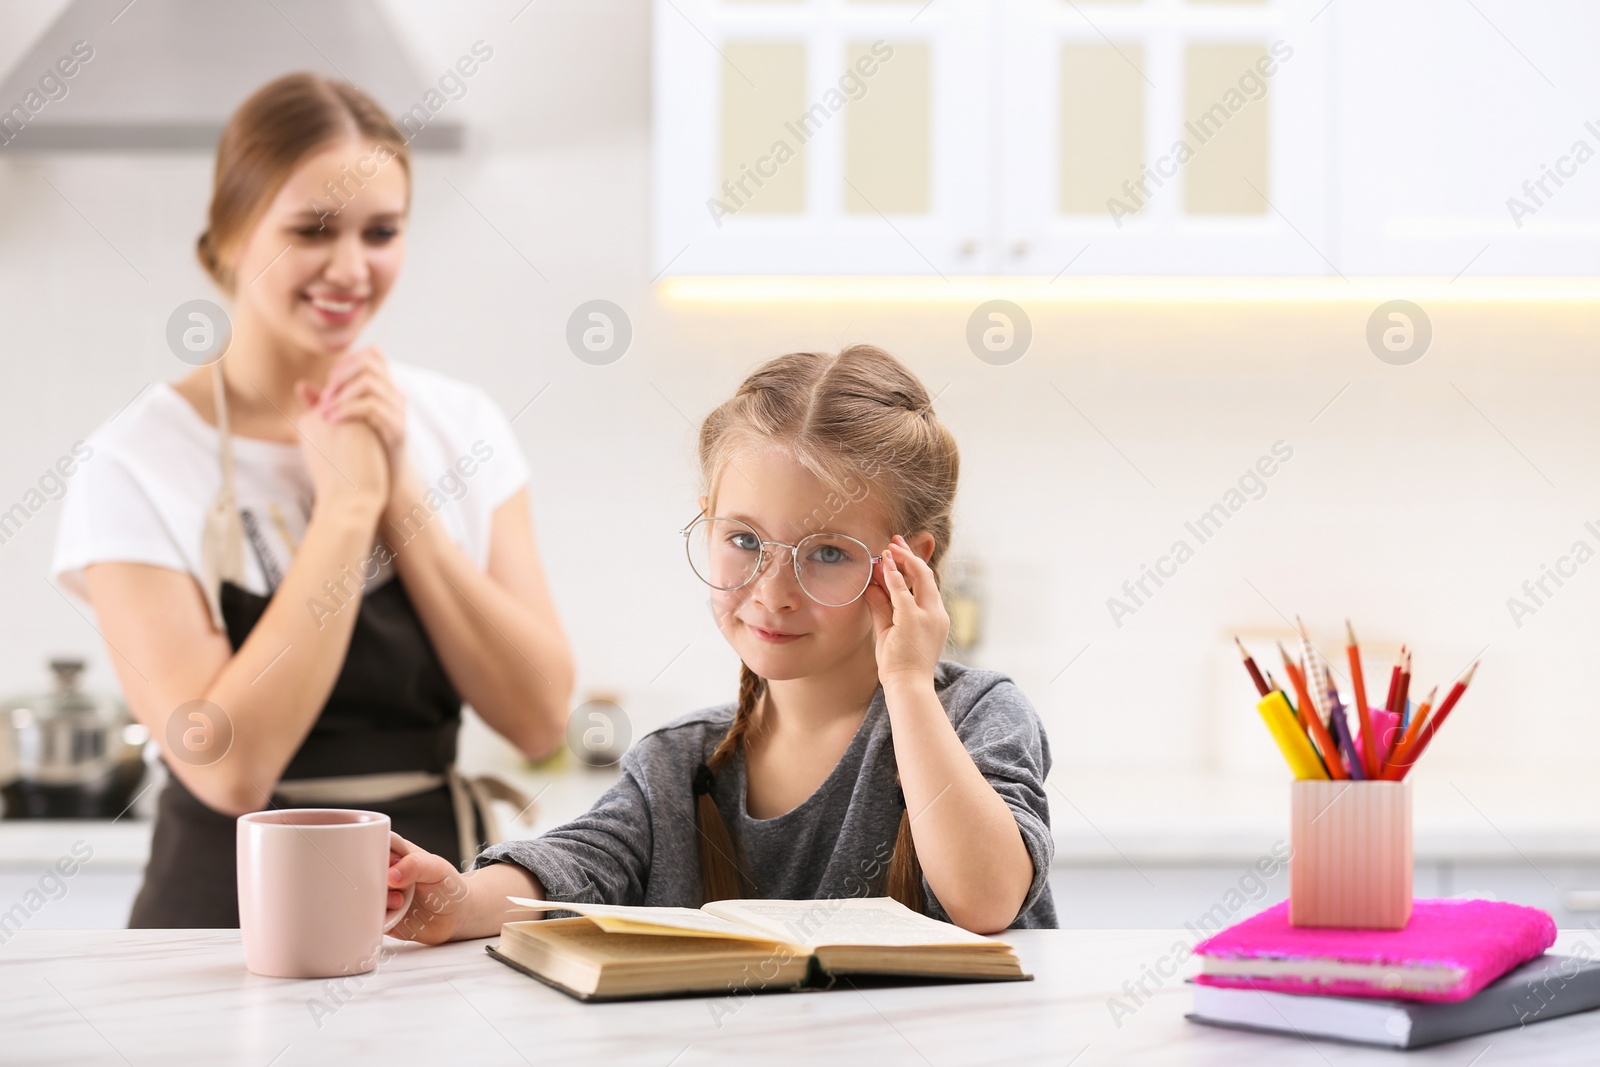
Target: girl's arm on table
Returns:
[[603, 853], [451, 906]]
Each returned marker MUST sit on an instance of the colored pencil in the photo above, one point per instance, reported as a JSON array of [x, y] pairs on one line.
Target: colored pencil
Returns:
[[1292, 742], [1262, 689], [1300, 724], [1311, 720], [1317, 680], [1329, 710], [1347, 744], [1408, 735], [1426, 734], [1394, 680], [1369, 746], [1390, 740], [1403, 694]]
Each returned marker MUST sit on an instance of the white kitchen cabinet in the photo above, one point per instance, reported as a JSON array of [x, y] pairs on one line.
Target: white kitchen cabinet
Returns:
[[60, 874], [997, 137], [1162, 137], [1569, 890], [1445, 113], [93, 900], [820, 136], [1047, 137]]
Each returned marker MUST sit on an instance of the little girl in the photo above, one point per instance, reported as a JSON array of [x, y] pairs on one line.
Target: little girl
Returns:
[[855, 762]]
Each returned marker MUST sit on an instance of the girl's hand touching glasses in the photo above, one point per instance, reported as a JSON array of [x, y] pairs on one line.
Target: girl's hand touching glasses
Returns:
[[908, 616]]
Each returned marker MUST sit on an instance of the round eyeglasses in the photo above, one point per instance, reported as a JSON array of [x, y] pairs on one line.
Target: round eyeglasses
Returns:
[[832, 569]]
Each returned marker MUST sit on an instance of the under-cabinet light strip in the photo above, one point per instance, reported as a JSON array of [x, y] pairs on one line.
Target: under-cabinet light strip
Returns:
[[1127, 289]]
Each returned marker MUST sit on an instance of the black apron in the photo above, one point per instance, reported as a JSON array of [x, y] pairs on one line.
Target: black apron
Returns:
[[392, 708]]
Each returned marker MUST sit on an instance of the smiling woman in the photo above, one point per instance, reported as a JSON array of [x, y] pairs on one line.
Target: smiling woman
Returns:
[[283, 181], [224, 504]]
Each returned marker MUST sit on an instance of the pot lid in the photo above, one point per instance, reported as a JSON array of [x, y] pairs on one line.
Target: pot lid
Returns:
[[66, 698]]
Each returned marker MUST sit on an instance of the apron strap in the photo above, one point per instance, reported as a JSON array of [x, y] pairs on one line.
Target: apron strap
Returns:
[[356, 788], [461, 801], [468, 796], [222, 539], [478, 794], [484, 790]]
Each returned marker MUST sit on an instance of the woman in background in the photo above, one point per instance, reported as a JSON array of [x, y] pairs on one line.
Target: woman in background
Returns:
[[302, 557]]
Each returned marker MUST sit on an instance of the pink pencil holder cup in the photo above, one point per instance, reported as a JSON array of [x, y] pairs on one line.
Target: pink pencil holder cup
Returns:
[[1350, 862]]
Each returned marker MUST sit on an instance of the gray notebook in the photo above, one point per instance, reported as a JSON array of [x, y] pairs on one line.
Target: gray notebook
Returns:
[[1545, 988]]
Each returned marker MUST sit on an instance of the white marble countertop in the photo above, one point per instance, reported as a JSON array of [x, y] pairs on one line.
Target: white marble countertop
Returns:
[[1101, 818], [177, 997]]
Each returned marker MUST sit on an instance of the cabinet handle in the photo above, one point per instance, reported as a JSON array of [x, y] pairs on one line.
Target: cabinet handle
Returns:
[[1581, 900], [969, 247], [1020, 249]]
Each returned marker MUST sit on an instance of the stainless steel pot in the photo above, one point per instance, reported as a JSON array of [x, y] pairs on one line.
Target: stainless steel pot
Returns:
[[69, 753]]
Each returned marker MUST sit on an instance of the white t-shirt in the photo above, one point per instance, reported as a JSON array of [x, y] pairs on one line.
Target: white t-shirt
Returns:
[[155, 470]]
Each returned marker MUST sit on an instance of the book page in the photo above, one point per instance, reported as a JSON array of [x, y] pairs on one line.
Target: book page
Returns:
[[622, 919], [598, 944], [868, 921]]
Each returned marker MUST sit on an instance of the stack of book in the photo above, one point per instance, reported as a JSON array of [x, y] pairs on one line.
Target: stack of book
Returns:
[[1458, 968]]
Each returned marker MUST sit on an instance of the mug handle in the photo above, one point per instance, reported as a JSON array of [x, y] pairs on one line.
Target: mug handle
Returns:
[[398, 845]]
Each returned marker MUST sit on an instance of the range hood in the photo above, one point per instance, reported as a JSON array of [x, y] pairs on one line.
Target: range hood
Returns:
[[166, 74]]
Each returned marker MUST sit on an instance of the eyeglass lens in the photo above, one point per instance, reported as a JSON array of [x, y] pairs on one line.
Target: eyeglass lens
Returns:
[[834, 569]]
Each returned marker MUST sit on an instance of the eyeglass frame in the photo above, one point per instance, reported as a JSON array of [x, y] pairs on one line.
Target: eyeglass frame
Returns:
[[761, 557]]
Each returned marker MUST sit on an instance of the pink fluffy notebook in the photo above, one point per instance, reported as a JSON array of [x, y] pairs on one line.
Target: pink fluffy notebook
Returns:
[[1449, 951]]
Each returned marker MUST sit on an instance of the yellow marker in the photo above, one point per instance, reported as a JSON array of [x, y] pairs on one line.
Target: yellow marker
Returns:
[[1292, 740]]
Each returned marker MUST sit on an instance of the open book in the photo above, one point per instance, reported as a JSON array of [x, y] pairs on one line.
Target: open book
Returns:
[[612, 952]]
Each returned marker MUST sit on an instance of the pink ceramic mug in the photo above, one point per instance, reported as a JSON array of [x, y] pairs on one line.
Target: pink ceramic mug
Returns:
[[313, 886]]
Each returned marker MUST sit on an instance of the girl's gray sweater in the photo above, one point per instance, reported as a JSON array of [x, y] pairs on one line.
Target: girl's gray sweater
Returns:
[[639, 843]]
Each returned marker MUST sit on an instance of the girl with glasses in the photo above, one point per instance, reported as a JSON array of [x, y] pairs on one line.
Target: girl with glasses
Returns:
[[855, 761]]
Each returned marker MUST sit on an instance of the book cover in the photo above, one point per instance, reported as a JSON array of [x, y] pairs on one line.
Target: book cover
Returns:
[[1447, 952], [1545, 988]]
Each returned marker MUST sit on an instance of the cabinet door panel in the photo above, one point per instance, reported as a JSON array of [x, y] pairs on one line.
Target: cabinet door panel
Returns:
[[755, 179], [1468, 136], [887, 163], [1100, 127], [1164, 138], [821, 137]]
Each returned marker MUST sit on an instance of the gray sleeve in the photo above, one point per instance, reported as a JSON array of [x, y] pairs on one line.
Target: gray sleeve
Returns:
[[602, 856], [1003, 735]]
